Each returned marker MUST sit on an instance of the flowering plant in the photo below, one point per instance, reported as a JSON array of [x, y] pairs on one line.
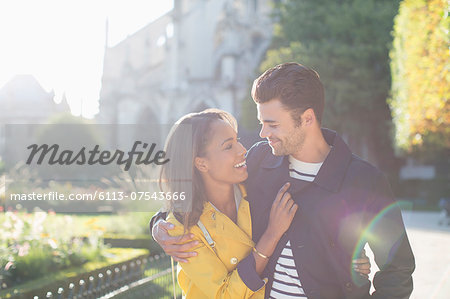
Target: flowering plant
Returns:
[[32, 245]]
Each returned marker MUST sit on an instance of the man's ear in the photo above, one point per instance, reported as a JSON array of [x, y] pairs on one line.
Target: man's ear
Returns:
[[308, 117], [201, 164]]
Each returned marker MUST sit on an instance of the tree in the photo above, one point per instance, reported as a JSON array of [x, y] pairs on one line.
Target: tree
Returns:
[[347, 43], [70, 133], [420, 72]]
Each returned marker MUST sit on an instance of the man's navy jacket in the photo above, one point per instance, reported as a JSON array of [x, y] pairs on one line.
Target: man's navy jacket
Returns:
[[348, 205]]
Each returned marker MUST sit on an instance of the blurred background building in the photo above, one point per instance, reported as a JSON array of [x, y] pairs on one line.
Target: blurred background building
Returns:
[[24, 101], [201, 54]]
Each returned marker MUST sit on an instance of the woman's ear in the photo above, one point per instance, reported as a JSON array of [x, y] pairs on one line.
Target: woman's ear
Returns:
[[201, 164]]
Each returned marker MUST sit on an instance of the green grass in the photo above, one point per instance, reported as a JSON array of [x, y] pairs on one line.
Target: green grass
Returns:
[[161, 287], [113, 256], [131, 223]]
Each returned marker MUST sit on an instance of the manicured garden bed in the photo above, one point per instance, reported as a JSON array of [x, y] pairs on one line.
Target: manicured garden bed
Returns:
[[42, 250], [39, 286], [130, 241]]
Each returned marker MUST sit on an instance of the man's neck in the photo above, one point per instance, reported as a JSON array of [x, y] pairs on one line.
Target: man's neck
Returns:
[[314, 150]]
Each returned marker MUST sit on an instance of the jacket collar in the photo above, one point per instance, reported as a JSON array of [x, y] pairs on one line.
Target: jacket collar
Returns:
[[335, 166], [242, 231], [333, 169]]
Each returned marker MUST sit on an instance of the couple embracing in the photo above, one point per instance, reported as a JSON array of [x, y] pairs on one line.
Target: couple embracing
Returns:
[[290, 217]]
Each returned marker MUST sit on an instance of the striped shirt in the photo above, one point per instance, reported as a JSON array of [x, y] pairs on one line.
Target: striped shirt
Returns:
[[286, 282]]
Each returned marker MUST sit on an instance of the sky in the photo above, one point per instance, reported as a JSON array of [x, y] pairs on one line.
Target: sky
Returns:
[[62, 42]]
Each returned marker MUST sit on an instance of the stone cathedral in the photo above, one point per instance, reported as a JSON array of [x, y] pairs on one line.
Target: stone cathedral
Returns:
[[201, 54]]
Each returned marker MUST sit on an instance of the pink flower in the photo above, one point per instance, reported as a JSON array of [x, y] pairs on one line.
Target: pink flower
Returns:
[[8, 265], [23, 250]]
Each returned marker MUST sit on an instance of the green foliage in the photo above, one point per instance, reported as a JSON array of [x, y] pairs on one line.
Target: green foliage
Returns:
[[130, 224], [429, 190], [347, 43], [421, 78], [41, 261], [248, 118], [130, 241], [71, 133], [55, 279], [34, 264], [66, 128], [30, 247]]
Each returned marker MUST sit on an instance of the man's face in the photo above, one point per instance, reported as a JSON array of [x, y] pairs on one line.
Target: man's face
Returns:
[[285, 136]]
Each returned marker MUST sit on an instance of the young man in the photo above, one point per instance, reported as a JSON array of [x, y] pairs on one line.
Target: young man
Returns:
[[344, 202]]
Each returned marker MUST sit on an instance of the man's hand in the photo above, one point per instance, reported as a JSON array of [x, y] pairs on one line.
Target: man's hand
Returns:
[[362, 265], [173, 246]]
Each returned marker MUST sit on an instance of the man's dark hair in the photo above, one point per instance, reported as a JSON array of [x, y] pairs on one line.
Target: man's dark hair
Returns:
[[296, 86]]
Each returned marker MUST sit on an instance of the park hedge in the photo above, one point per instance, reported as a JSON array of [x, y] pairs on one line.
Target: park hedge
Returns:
[[39, 287]]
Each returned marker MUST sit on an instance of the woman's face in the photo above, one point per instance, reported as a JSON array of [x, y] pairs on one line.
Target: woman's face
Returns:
[[224, 161]]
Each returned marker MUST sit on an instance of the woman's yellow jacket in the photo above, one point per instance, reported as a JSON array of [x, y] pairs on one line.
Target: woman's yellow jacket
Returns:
[[210, 275]]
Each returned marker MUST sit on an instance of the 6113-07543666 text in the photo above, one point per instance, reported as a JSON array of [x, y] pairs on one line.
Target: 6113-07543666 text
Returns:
[[98, 195]]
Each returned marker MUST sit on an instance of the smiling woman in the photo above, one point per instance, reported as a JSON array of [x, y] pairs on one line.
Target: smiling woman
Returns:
[[197, 152], [217, 214]]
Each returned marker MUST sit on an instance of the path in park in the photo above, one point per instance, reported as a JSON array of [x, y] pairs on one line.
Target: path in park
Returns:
[[431, 246]]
